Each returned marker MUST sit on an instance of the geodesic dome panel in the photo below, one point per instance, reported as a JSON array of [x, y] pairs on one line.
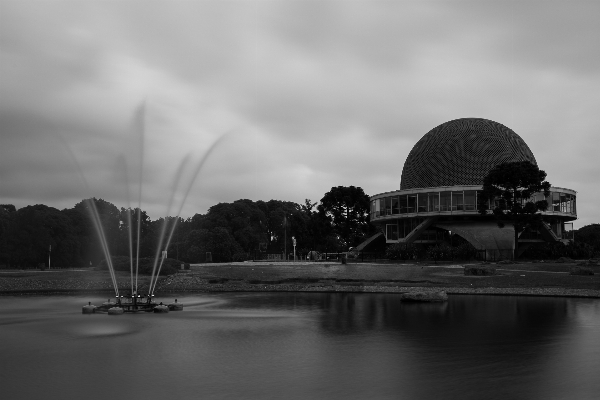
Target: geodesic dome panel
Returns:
[[461, 152]]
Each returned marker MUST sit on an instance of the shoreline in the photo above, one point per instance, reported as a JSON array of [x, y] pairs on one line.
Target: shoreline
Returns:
[[489, 291], [517, 279]]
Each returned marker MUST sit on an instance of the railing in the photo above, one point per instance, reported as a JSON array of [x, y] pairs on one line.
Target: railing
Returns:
[[561, 201]]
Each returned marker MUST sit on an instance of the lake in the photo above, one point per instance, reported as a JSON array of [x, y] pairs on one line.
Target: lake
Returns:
[[303, 346]]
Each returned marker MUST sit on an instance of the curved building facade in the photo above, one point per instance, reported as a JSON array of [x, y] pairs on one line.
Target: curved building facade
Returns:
[[440, 184]]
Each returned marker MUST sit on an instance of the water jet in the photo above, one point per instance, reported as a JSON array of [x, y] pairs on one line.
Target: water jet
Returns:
[[135, 302]]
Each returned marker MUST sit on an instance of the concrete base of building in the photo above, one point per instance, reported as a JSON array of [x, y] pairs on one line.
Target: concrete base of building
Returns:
[[499, 243]]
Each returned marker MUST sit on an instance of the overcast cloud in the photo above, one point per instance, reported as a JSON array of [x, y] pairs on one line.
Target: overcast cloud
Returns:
[[311, 94]]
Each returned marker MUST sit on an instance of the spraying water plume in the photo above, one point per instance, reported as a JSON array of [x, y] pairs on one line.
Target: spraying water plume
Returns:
[[191, 181], [134, 176], [139, 129], [95, 216], [163, 229]]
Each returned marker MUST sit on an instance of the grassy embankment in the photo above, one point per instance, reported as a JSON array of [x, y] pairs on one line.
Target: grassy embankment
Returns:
[[551, 279]]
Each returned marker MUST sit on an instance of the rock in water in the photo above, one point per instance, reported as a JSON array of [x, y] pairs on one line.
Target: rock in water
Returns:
[[115, 311], [88, 309], [440, 296], [176, 306], [161, 308]]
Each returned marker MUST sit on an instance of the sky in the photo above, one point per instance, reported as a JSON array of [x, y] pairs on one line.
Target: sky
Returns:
[[214, 101]]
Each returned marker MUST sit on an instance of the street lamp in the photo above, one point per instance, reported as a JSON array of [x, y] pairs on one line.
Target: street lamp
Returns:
[[285, 237]]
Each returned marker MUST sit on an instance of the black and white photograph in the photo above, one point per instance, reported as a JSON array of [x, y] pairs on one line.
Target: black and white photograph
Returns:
[[299, 199]]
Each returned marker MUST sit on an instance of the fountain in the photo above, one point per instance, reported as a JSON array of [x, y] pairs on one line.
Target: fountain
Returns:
[[134, 301]]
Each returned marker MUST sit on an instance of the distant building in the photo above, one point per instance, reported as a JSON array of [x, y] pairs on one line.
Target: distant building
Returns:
[[441, 179]]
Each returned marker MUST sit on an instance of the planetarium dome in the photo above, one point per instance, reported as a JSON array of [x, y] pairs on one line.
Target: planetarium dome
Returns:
[[461, 152]]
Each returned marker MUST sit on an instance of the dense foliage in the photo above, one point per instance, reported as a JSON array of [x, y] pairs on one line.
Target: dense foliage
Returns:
[[552, 251], [33, 236], [590, 235], [513, 185], [398, 251], [439, 252], [510, 188], [347, 209], [443, 252]]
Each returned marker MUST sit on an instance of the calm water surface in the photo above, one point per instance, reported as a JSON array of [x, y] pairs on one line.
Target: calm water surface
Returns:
[[303, 346]]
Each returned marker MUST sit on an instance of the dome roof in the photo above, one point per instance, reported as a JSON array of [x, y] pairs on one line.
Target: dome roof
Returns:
[[461, 152]]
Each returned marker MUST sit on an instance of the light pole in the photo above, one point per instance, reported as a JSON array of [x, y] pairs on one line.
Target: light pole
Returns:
[[284, 237], [294, 241]]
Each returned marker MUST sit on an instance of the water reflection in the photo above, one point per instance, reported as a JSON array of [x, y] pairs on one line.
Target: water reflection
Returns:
[[489, 346], [304, 345], [462, 318]]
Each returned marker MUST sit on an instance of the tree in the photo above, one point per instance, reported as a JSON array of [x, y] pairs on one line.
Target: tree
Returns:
[[217, 241], [510, 188], [320, 235], [286, 219], [177, 227], [251, 223], [34, 229], [149, 232], [110, 218], [8, 213], [347, 208], [243, 219], [589, 234]]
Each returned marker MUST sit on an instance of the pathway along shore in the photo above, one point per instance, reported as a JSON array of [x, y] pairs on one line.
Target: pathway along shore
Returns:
[[530, 279]]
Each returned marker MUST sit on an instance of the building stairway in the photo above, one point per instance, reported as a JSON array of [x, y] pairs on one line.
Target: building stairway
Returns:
[[414, 234]]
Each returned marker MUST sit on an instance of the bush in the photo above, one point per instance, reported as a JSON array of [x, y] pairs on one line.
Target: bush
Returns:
[[552, 251], [465, 251], [399, 251], [238, 257], [439, 252]]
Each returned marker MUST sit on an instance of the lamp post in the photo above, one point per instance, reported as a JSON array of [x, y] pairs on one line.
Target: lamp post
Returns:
[[451, 248], [285, 237], [294, 241]]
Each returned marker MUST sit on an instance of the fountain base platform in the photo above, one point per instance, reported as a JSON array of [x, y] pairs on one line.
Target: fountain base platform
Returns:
[[133, 304]]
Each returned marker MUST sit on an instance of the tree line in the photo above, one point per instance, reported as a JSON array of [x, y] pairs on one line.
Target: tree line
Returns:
[[245, 229]]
